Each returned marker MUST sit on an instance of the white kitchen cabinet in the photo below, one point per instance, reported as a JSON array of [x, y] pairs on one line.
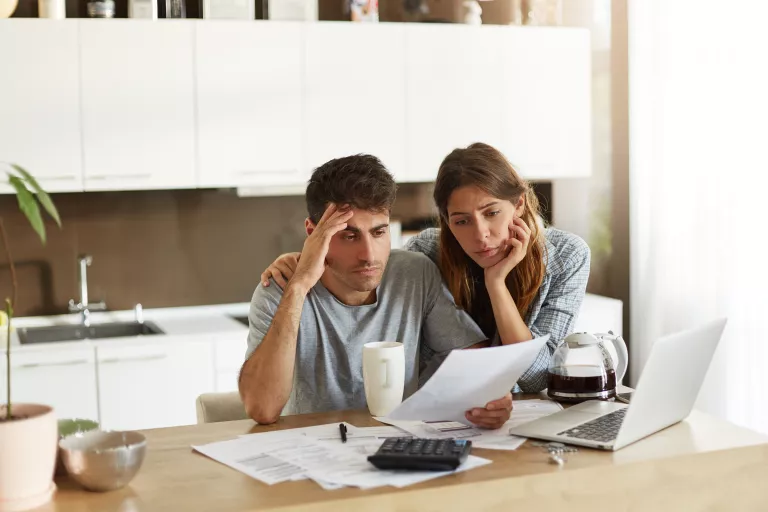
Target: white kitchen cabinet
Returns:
[[454, 92], [249, 102], [138, 104], [229, 355], [63, 378], [547, 111], [40, 101], [355, 92], [154, 384]]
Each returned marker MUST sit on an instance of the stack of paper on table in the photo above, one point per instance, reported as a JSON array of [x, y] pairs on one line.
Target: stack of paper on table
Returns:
[[318, 453], [523, 411], [466, 379]]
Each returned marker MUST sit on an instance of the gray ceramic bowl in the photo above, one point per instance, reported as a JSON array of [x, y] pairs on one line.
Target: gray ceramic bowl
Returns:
[[103, 460]]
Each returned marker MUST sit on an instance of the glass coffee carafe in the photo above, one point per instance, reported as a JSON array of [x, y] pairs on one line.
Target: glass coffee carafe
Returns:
[[583, 369]]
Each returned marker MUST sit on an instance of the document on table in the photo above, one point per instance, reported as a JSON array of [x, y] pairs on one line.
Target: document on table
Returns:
[[499, 439], [363, 440], [318, 453], [468, 379]]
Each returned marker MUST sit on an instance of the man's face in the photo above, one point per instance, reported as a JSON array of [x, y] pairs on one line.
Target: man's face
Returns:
[[358, 255]]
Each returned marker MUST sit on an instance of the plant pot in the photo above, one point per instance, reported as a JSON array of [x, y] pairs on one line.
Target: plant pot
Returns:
[[28, 447], [7, 7]]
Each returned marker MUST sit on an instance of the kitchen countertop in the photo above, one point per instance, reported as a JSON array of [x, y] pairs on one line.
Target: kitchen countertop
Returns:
[[208, 322], [213, 322]]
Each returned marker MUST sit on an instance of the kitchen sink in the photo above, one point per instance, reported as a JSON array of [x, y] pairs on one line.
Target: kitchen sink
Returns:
[[241, 319], [80, 332]]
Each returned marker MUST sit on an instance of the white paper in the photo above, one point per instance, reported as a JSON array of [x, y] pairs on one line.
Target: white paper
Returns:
[[468, 379], [256, 459], [365, 441], [499, 439], [318, 453]]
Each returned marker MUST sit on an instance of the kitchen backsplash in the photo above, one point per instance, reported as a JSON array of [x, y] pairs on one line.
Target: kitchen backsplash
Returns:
[[160, 248], [165, 248]]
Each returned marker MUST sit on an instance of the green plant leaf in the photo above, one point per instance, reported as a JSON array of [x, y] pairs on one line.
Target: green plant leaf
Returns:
[[28, 206], [42, 195]]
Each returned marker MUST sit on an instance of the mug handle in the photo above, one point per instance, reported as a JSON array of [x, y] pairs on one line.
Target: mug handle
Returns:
[[385, 368]]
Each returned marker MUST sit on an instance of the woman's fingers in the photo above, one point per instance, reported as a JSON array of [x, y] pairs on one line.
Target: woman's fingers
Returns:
[[279, 279], [284, 269], [515, 243], [520, 233], [521, 223]]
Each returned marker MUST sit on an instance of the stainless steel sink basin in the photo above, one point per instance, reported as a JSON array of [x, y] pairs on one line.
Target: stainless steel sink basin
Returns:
[[79, 332], [241, 319]]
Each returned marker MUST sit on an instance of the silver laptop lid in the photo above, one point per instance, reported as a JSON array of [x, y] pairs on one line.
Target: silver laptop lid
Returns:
[[670, 381]]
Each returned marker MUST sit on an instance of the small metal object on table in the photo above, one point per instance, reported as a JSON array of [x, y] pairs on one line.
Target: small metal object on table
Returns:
[[556, 451]]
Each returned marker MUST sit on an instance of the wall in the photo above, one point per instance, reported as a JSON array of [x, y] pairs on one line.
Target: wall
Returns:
[[597, 208], [160, 248]]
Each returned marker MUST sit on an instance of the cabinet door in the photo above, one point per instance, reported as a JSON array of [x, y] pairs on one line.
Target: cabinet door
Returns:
[[153, 385], [547, 110], [229, 357], [40, 101], [355, 92], [454, 92], [64, 379], [138, 104], [249, 102]]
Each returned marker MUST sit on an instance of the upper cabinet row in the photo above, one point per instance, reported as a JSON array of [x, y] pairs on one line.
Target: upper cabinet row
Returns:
[[130, 104]]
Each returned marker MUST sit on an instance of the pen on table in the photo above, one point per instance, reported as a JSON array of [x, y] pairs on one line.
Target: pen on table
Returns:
[[343, 430]]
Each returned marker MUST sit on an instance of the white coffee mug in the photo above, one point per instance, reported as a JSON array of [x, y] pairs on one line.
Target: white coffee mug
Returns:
[[383, 375]]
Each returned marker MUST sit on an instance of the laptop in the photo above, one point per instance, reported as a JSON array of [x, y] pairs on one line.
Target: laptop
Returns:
[[665, 395]]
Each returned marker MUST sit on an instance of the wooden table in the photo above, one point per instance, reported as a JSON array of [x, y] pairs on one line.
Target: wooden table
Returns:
[[701, 463]]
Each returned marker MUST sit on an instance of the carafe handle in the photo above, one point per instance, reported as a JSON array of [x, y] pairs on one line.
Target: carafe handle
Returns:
[[621, 349]]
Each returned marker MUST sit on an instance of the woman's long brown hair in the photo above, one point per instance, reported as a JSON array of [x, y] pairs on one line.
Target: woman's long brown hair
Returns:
[[486, 167]]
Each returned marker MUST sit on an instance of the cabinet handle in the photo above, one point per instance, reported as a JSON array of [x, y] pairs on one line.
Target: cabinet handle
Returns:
[[266, 171], [63, 177], [63, 363], [133, 359], [105, 177]]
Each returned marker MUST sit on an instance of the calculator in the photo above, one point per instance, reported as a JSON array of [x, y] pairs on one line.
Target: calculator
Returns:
[[425, 454]]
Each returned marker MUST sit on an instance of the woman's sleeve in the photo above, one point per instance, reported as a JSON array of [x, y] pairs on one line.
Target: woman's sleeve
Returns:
[[558, 314], [427, 242]]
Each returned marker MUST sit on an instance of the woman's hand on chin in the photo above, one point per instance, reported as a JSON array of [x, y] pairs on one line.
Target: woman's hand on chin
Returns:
[[515, 247]]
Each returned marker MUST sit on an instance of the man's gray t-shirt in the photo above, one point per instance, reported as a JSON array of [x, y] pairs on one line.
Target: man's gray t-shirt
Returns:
[[412, 306]]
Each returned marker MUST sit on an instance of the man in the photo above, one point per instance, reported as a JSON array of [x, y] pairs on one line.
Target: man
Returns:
[[306, 341]]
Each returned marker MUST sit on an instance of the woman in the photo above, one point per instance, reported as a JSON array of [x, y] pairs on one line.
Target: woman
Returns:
[[516, 278]]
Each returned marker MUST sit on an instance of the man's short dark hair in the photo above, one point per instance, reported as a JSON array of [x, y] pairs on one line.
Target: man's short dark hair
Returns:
[[360, 181]]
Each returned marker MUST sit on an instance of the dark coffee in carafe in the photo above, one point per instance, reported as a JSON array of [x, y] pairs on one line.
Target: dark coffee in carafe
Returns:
[[576, 383]]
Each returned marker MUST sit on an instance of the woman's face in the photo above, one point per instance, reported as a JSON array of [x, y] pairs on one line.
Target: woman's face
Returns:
[[480, 222]]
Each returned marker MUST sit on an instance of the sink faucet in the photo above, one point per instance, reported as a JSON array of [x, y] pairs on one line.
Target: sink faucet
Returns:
[[84, 307]]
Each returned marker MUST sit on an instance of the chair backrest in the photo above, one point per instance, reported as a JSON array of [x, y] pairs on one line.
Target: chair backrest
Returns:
[[216, 407]]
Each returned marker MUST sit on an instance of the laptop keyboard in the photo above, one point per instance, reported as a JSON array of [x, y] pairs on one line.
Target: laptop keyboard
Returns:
[[603, 429]]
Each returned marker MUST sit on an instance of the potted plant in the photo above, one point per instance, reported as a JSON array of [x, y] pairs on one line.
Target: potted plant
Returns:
[[28, 432]]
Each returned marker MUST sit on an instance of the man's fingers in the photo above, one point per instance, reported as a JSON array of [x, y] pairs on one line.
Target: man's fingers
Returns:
[[332, 230], [500, 403], [486, 423], [327, 213], [485, 413], [335, 224], [265, 277]]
